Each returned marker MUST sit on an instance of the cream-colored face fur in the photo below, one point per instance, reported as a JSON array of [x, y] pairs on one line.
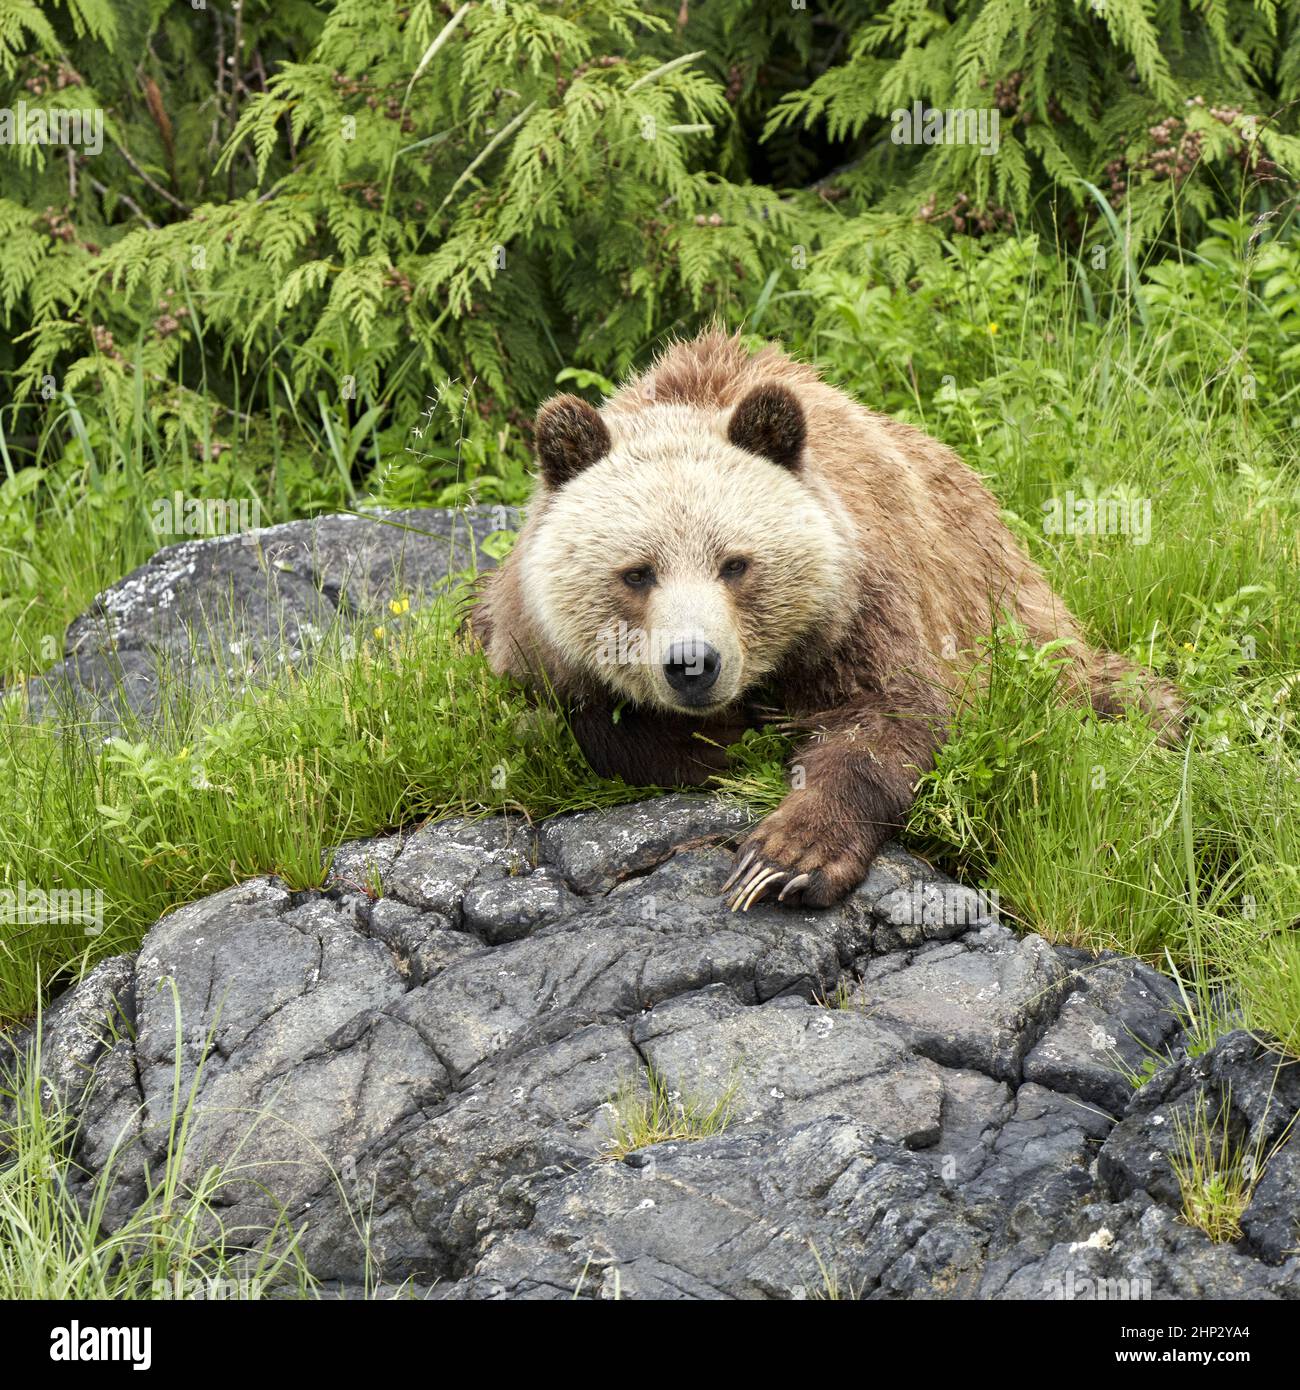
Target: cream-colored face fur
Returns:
[[678, 537]]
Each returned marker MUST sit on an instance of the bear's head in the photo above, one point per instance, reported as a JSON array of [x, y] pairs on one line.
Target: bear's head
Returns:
[[678, 555]]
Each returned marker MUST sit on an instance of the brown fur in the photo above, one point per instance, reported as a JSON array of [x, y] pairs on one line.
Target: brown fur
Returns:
[[933, 570]]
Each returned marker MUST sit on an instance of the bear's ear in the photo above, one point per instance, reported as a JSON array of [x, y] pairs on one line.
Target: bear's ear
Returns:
[[769, 422], [570, 436]]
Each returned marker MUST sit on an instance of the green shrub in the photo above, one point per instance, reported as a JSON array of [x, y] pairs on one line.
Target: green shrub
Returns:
[[354, 208]]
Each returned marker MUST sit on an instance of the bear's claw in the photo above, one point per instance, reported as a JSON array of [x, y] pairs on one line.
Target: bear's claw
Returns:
[[796, 883], [739, 869], [754, 881], [762, 877]]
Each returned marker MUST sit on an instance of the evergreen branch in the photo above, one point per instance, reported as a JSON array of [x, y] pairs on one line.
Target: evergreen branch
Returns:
[[485, 153]]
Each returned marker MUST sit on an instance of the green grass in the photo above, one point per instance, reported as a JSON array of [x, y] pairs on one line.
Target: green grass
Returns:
[[388, 725], [1217, 1170], [1097, 836], [652, 1113], [834, 1287]]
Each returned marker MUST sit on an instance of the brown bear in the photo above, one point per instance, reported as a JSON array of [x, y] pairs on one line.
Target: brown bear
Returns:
[[728, 528]]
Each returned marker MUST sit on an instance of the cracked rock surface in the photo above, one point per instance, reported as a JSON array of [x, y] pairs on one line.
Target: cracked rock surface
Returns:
[[228, 607], [426, 1063]]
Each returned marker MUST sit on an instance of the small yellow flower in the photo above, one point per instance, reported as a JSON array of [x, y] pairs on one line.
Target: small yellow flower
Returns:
[[399, 606], [1187, 647], [379, 632], [993, 328]]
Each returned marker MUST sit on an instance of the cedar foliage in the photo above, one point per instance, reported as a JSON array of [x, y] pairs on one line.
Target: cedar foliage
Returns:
[[347, 202]]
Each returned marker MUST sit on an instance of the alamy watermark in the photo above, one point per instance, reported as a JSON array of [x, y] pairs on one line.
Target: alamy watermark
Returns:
[[21, 904], [1072, 1287], [621, 645], [1098, 516], [40, 125], [941, 905], [929, 125], [75, 1342], [207, 1290], [179, 515]]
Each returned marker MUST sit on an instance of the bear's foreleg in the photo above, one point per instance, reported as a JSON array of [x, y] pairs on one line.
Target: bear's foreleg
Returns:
[[855, 785]]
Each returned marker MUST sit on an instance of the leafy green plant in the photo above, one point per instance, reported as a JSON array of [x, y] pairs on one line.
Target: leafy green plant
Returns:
[[1116, 108], [355, 200]]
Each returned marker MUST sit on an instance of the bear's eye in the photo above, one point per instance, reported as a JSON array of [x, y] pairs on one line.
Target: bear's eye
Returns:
[[640, 578], [735, 567]]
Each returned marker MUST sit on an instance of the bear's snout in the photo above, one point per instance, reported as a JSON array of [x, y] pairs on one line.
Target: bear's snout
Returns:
[[692, 669]]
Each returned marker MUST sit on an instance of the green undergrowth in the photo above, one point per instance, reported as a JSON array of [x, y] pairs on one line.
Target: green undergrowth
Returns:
[[386, 725], [1092, 833]]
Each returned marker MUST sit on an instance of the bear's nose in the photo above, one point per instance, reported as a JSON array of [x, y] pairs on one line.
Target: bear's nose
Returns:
[[692, 668]]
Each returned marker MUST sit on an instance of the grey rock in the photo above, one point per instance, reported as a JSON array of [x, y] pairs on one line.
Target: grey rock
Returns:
[[81, 1024], [594, 850], [909, 902], [112, 1155], [1040, 1165], [426, 1066], [979, 1002], [1271, 1223], [822, 1208], [1120, 1022], [892, 869], [439, 861], [686, 874], [1135, 1251], [507, 909], [364, 865], [228, 608], [423, 943], [444, 1184], [612, 961], [788, 1061], [928, 909], [975, 1110], [285, 1042]]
